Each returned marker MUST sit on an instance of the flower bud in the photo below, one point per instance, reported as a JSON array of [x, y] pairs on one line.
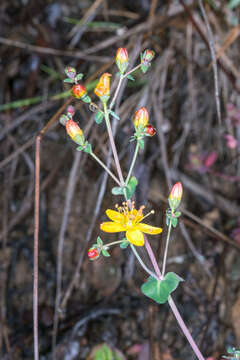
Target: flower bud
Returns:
[[78, 91], [70, 110], [175, 195], [150, 130], [141, 118], [70, 72], [122, 59], [103, 87], [75, 132], [146, 59], [148, 55], [93, 253]]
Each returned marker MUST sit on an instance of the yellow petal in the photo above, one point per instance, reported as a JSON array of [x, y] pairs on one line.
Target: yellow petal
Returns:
[[135, 237], [148, 229], [115, 216], [111, 227], [138, 215]]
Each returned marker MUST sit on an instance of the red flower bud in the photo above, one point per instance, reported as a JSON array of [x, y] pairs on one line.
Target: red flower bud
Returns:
[[141, 117], [78, 91], [122, 59], [150, 130], [103, 86], [148, 55], [75, 132], [175, 196], [93, 253], [70, 110]]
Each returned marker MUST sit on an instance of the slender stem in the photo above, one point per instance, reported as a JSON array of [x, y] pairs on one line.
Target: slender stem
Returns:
[[131, 71], [35, 247], [116, 92], [166, 249], [173, 306], [105, 168], [115, 242], [120, 83], [132, 164], [142, 263], [185, 329], [112, 142]]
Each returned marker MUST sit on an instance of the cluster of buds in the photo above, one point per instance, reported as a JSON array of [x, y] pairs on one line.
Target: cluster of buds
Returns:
[[78, 91], [72, 128], [174, 200], [146, 59], [142, 127], [122, 59], [97, 249], [102, 90]]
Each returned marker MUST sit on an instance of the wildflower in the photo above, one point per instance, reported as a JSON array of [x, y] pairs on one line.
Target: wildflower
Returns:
[[78, 91], [103, 87], [175, 196], [75, 132], [93, 253], [122, 59], [141, 118], [129, 221], [150, 130]]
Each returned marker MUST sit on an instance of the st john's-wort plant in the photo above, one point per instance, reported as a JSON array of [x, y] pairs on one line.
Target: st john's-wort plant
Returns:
[[125, 218]]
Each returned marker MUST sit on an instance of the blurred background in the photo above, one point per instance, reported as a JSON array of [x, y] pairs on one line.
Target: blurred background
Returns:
[[195, 108]]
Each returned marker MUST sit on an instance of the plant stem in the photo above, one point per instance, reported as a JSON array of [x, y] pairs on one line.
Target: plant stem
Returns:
[[173, 306], [116, 92], [120, 83], [185, 329], [166, 249], [35, 247], [132, 164], [112, 142], [114, 242], [142, 263], [105, 168], [131, 71]]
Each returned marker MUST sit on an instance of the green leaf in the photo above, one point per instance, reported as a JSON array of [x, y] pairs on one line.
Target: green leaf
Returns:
[[141, 143], [178, 213], [99, 117], [130, 77], [88, 148], [86, 99], [105, 253], [117, 191], [144, 68], [63, 119], [68, 80], [104, 353], [99, 241], [124, 244], [174, 221], [159, 291], [233, 4], [80, 148], [131, 187], [114, 114], [79, 77]]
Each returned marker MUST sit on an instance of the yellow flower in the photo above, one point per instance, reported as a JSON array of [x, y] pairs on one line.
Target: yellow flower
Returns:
[[130, 222]]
